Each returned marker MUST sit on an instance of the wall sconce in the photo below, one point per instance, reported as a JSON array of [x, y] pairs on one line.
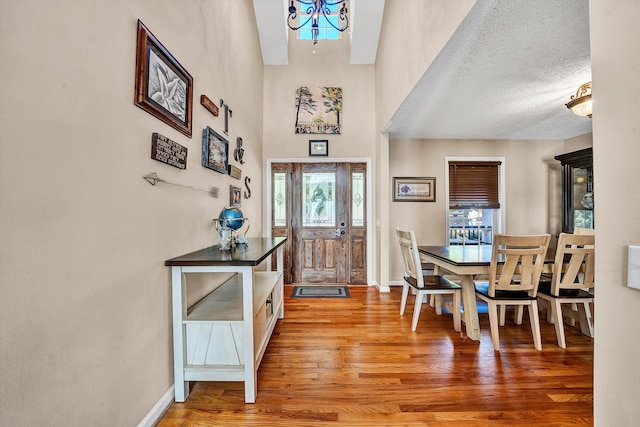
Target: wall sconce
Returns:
[[581, 103]]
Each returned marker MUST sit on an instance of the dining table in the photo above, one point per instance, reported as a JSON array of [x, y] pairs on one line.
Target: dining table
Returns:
[[467, 262], [464, 261]]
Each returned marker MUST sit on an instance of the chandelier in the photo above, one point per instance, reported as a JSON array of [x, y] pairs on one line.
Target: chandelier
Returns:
[[314, 9], [581, 103]]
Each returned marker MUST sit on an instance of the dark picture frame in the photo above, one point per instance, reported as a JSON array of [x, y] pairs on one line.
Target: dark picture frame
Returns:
[[414, 189], [215, 151], [163, 88], [318, 147], [235, 196]]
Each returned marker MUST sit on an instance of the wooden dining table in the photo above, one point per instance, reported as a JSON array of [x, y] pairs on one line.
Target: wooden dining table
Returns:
[[465, 262]]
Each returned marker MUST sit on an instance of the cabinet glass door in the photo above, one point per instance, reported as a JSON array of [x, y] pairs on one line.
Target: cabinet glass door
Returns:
[[582, 182]]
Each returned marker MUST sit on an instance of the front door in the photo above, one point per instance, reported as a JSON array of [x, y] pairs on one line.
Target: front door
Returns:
[[324, 220]]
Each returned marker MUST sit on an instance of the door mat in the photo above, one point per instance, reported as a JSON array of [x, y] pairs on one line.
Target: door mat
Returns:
[[320, 292]]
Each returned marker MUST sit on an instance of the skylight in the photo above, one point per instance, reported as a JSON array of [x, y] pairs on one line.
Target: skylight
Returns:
[[325, 30]]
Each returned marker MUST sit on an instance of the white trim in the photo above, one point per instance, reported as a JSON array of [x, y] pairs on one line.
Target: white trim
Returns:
[[381, 289], [369, 208], [154, 415], [501, 226]]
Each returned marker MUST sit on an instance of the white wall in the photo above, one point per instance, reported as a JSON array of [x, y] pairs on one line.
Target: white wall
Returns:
[[85, 305], [330, 67], [615, 59], [404, 55], [532, 175]]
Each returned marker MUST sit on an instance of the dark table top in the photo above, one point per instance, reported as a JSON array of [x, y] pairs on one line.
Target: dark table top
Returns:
[[253, 253], [475, 255], [460, 255]]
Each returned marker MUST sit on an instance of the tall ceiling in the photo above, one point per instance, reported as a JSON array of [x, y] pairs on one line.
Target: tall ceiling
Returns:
[[506, 72]]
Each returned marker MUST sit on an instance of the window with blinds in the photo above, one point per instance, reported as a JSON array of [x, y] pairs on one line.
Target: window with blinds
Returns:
[[474, 184]]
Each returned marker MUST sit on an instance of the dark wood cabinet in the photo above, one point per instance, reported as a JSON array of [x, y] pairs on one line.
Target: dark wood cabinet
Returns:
[[577, 189]]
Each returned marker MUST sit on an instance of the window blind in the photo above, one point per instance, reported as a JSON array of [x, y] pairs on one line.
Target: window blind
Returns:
[[474, 185]]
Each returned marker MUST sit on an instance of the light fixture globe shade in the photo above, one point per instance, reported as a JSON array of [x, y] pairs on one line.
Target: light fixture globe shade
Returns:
[[581, 103]]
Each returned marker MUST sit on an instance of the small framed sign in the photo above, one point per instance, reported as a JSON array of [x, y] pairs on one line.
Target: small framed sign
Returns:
[[318, 147], [235, 195]]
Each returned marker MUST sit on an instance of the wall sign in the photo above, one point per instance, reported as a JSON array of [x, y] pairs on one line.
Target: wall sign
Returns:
[[235, 172], [167, 151], [209, 105]]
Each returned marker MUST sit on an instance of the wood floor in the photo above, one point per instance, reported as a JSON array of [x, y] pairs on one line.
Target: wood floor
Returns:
[[355, 362]]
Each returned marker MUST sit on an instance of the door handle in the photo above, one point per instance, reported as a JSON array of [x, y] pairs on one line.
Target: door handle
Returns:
[[339, 232]]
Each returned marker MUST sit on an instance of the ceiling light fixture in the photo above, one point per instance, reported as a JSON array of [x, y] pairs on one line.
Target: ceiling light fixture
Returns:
[[581, 103], [314, 9]]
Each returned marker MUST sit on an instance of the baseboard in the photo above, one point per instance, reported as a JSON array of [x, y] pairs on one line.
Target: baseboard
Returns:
[[158, 409], [394, 283], [381, 289]]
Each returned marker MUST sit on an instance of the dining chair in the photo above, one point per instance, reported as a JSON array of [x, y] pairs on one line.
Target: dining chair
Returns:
[[424, 284], [582, 230], [572, 282], [514, 275]]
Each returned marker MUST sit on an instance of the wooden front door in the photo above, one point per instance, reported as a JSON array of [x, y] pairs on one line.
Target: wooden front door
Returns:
[[321, 208]]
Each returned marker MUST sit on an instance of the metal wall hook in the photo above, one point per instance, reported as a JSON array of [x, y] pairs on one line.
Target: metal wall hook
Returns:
[[153, 179]]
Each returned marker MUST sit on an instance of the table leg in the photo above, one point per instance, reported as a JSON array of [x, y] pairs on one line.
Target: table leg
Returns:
[[179, 304], [471, 321], [250, 374]]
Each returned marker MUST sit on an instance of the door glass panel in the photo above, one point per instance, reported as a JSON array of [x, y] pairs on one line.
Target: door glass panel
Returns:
[[318, 204], [279, 199], [357, 199]]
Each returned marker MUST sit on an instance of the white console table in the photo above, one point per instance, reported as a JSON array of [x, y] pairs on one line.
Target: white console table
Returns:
[[224, 336]]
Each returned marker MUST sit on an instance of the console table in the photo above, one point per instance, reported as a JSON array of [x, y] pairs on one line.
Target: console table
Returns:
[[224, 336]]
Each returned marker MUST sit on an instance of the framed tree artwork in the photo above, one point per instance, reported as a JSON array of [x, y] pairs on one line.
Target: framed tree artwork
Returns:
[[163, 88], [318, 110]]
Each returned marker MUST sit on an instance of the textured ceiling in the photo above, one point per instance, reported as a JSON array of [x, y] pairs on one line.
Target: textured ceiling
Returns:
[[506, 73]]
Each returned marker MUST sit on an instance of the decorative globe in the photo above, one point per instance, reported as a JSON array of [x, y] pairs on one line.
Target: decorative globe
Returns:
[[232, 218]]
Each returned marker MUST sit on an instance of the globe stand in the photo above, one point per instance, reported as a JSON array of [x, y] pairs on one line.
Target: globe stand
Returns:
[[226, 237]]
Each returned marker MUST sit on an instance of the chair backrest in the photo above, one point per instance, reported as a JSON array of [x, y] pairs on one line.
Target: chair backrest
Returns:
[[410, 256], [574, 263], [517, 262], [582, 230]]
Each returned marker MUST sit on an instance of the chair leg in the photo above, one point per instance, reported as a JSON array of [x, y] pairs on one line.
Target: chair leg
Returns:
[[457, 317], [438, 304], [535, 325], [493, 322], [503, 314], [586, 321], [403, 301], [556, 313], [571, 321], [416, 310], [519, 314]]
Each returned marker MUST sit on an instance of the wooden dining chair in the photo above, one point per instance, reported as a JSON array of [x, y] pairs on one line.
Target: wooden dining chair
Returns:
[[572, 282], [514, 275], [424, 284]]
